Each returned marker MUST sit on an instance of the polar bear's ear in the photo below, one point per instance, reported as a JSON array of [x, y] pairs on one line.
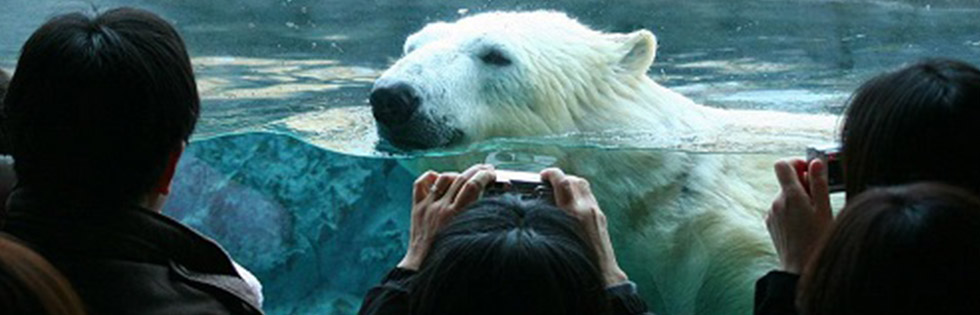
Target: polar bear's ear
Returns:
[[637, 50]]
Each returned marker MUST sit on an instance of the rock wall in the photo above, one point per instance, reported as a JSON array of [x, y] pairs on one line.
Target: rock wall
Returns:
[[317, 227]]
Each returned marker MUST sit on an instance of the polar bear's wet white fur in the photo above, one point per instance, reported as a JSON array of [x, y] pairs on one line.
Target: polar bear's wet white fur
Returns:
[[688, 227]]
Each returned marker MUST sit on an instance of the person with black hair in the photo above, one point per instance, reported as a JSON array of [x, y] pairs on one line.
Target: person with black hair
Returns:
[[98, 113], [505, 255], [911, 249], [919, 123]]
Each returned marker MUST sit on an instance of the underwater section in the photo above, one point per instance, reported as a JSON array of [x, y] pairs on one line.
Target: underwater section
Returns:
[[317, 227]]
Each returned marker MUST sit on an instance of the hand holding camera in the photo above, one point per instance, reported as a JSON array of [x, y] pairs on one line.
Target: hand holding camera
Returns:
[[801, 212], [436, 199], [574, 195]]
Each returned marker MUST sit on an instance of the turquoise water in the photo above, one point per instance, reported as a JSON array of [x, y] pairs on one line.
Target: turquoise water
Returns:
[[320, 227], [317, 230], [283, 170]]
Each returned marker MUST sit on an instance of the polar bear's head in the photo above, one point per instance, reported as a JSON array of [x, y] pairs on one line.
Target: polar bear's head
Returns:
[[506, 74]]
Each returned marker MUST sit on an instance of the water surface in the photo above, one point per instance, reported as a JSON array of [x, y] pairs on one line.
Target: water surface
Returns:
[[262, 61]]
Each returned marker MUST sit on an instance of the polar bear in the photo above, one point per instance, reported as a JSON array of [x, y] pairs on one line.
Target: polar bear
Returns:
[[688, 228]]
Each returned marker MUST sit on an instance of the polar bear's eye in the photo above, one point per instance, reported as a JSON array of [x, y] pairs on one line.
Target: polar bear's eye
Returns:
[[495, 57]]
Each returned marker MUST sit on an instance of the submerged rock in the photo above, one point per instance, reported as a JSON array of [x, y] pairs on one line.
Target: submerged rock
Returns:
[[317, 227]]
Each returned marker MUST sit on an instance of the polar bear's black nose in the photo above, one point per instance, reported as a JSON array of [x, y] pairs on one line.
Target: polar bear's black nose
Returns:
[[394, 104]]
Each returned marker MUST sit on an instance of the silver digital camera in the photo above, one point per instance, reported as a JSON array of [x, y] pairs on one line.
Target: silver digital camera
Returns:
[[831, 156], [524, 184]]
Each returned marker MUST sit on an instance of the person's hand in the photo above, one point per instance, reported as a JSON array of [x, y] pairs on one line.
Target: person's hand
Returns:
[[801, 213], [437, 198], [573, 195]]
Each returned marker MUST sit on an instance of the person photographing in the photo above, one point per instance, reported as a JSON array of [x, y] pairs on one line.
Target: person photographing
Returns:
[[507, 254]]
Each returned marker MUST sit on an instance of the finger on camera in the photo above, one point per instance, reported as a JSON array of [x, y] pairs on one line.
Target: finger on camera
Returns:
[[473, 188], [555, 176], [441, 185], [420, 189], [580, 192], [787, 176], [552, 175], [819, 187], [462, 179], [570, 189]]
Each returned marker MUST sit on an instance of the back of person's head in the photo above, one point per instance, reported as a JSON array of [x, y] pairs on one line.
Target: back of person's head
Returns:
[[98, 104], [510, 256], [903, 250], [30, 285], [920, 123]]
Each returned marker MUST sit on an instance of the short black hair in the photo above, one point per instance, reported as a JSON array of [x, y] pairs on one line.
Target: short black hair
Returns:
[[510, 256], [98, 104], [920, 123]]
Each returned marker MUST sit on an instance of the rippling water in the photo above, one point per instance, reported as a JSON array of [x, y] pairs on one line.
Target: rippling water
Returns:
[[261, 64]]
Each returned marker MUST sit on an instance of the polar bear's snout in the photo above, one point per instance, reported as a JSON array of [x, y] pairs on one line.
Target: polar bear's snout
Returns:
[[401, 121], [394, 104]]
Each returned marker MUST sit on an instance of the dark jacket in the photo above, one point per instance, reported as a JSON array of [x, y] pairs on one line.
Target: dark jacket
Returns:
[[775, 294], [129, 260], [391, 297]]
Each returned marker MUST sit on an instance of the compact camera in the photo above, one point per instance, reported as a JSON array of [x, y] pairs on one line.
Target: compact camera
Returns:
[[524, 184], [831, 156]]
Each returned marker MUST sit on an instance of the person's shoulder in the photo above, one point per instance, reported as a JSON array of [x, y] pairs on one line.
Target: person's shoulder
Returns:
[[152, 289], [150, 257]]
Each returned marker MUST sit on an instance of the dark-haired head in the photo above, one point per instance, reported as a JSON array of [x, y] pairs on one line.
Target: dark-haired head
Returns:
[[510, 256], [30, 285], [920, 123], [901, 250], [98, 105]]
